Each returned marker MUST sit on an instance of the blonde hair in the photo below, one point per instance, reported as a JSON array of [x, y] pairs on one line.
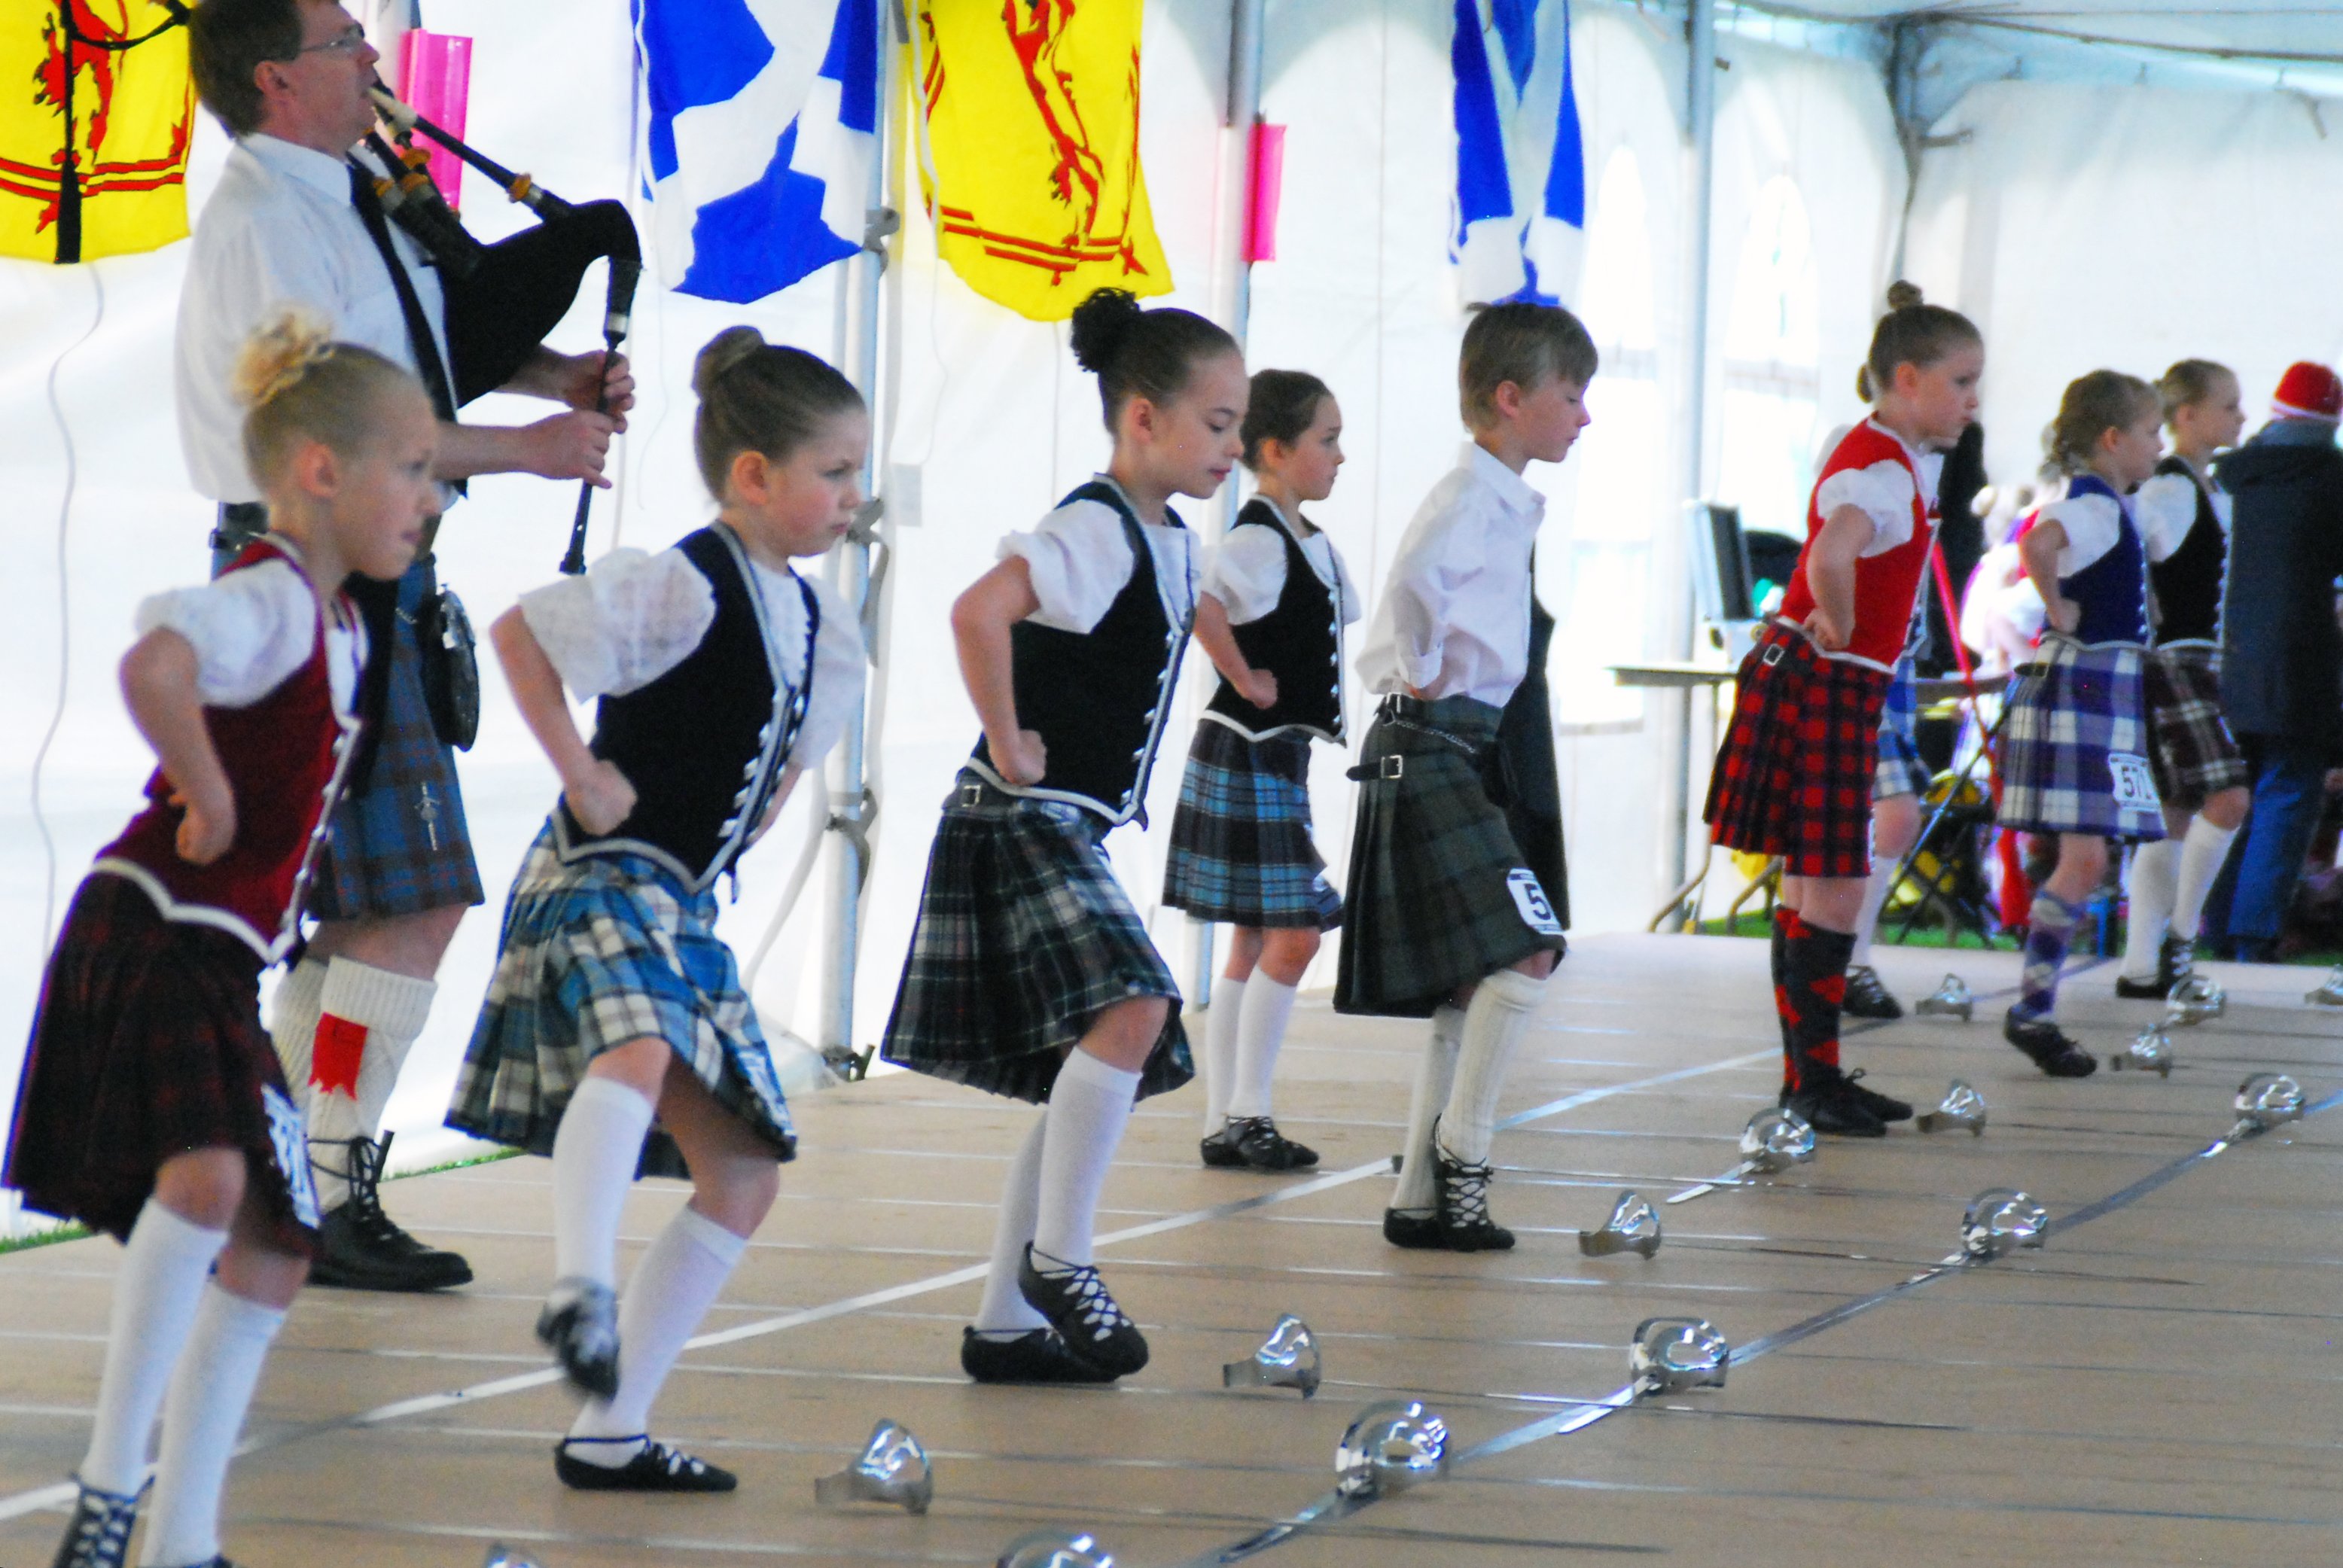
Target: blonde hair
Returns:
[[298, 384], [2189, 381], [2093, 404], [1914, 333], [760, 397], [1524, 343]]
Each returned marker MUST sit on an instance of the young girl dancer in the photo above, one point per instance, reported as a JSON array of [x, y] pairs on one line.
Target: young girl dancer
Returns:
[[1030, 974], [153, 1105], [723, 675], [1271, 614], [2075, 743], [2184, 520], [1446, 918], [1793, 776]]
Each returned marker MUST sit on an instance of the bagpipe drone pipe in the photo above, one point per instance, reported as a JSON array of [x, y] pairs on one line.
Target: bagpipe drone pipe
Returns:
[[502, 299]]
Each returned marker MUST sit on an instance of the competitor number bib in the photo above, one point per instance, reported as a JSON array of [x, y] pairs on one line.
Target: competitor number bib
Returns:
[[1529, 898]]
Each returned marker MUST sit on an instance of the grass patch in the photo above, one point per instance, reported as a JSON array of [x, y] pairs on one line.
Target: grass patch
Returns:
[[493, 1157], [43, 1239]]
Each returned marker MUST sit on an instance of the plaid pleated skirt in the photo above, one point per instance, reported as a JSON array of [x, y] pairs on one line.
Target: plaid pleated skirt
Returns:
[[2075, 743], [401, 845], [1241, 845], [606, 949], [148, 1043], [1023, 937], [1899, 770], [2195, 755], [1794, 775], [1440, 894]]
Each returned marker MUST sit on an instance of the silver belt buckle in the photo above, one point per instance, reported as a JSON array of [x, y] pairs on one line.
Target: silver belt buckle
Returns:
[[1394, 767], [1774, 652], [972, 795]]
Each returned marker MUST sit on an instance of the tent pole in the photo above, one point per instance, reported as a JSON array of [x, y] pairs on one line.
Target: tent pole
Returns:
[[850, 572]]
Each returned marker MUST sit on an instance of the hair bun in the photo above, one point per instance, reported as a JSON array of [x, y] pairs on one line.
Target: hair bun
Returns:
[[732, 347], [278, 354], [1902, 295], [1101, 326]]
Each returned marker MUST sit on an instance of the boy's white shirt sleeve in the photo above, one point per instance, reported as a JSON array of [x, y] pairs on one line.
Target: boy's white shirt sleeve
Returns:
[[632, 618], [2165, 507], [1078, 559], [1422, 590], [1353, 606], [1247, 573], [839, 669], [2093, 523], [1883, 492], [250, 630]]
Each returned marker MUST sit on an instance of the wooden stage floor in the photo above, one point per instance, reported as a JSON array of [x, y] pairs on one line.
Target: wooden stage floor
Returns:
[[2161, 1384]]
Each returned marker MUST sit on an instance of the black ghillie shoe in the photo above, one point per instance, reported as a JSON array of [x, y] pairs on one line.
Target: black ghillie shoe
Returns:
[[1886, 1106], [1219, 1151], [2132, 989], [1041, 1356], [656, 1468], [99, 1535], [579, 1325], [2176, 959], [1075, 1301], [1262, 1146], [1463, 1196], [361, 1248], [1867, 997], [1414, 1230], [1831, 1104], [2052, 1050]]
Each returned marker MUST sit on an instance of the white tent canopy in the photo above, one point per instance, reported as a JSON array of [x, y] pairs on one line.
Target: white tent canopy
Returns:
[[2094, 182]]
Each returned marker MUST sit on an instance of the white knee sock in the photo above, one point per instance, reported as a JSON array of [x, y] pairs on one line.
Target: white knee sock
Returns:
[[679, 1277], [594, 1156], [1494, 1024], [2155, 874], [1090, 1105], [1220, 1022], [1005, 1312], [368, 1020], [1261, 1029], [1433, 1075], [2201, 854], [1875, 898], [155, 1295], [293, 1014], [210, 1394]]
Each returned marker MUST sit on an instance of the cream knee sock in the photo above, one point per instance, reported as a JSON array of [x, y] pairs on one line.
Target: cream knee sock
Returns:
[[1221, 1020], [1493, 1025], [1434, 1076]]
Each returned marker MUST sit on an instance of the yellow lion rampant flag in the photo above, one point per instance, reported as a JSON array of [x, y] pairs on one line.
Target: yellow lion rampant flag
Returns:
[[1030, 151], [96, 110]]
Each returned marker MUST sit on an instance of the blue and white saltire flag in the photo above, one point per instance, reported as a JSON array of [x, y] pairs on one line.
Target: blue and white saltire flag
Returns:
[[764, 121], [1521, 169]]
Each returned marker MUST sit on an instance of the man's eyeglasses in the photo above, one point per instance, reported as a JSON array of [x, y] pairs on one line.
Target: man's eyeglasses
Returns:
[[345, 43]]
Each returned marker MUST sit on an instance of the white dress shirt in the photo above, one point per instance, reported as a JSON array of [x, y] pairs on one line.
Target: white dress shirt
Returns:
[[634, 617], [1455, 617], [1079, 560], [1247, 573], [251, 630], [278, 231], [2165, 507]]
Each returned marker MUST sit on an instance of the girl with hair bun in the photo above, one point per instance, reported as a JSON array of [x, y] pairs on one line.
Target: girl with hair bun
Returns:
[[1030, 973], [2075, 747], [153, 1107], [1271, 615], [1796, 772], [721, 676]]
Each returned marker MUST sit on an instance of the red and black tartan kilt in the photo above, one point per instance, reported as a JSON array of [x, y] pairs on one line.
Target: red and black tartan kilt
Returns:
[[148, 1043], [1793, 776]]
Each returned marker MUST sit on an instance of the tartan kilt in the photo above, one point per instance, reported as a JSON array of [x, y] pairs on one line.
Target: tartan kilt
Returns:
[[1440, 894], [606, 949], [2195, 755], [1240, 846], [2075, 743], [400, 845], [1023, 937], [1899, 770], [1794, 775], [147, 1044]]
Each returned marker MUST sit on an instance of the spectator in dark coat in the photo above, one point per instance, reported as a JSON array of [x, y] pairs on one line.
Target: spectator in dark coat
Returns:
[[2282, 649]]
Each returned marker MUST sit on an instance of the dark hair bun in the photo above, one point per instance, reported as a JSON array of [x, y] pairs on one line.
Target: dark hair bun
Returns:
[[728, 348], [1902, 295], [1102, 325]]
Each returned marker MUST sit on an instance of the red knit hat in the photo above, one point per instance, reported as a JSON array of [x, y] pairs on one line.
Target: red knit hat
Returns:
[[2308, 391]]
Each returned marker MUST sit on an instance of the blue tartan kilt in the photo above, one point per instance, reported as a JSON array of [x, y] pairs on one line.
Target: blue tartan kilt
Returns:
[[606, 949], [1899, 770], [1241, 845], [401, 846], [1023, 937], [2074, 749]]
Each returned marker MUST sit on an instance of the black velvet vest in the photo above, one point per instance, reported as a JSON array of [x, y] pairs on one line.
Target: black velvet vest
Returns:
[[1300, 641], [2187, 582], [1099, 699], [704, 745]]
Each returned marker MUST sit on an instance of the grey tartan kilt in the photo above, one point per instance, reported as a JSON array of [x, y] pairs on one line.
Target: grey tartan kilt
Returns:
[[1241, 845], [2075, 753], [1440, 895], [2197, 758], [1024, 939]]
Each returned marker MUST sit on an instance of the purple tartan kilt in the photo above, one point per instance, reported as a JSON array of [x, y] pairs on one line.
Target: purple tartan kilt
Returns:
[[148, 1044], [1793, 776], [2075, 752]]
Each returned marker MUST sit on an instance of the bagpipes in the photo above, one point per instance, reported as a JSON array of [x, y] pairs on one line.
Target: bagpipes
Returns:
[[503, 299]]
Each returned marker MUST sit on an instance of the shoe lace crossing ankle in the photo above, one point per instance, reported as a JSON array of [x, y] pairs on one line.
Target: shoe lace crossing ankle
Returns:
[[1094, 1307], [99, 1536], [1463, 1191]]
